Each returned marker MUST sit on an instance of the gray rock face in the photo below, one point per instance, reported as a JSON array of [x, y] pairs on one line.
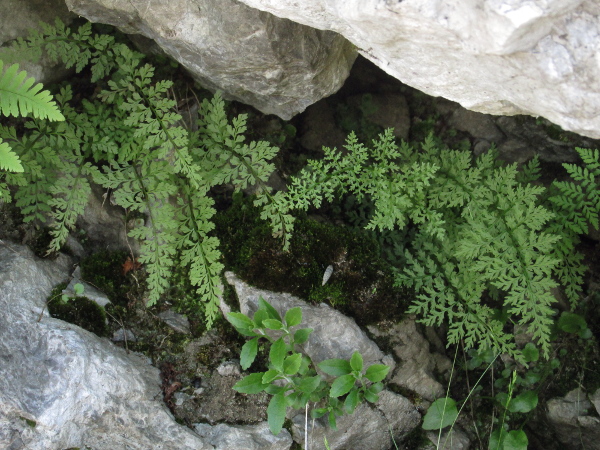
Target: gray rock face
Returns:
[[569, 417], [337, 336], [248, 437], [368, 427], [63, 387], [415, 371], [277, 66], [19, 16], [498, 57]]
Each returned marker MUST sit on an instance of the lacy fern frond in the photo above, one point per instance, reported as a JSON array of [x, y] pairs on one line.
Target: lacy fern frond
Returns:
[[483, 241], [9, 159], [20, 96], [149, 162]]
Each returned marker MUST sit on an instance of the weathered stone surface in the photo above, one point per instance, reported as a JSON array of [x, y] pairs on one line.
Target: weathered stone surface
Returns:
[[415, 371], [104, 225], [89, 291], [17, 17], [63, 387], [176, 321], [570, 419], [247, 437], [369, 427], [454, 440], [497, 57], [277, 66]]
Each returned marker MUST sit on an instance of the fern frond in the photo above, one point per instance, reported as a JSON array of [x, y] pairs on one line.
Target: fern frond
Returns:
[[19, 96], [8, 159]]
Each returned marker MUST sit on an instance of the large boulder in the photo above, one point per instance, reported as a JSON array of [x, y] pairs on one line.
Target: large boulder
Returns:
[[64, 387], [498, 56], [277, 66]]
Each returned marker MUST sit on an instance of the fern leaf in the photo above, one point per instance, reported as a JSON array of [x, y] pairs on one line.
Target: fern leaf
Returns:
[[8, 159], [20, 97]]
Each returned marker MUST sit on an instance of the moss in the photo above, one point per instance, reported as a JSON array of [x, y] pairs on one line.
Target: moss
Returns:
[[361, 281], [80, 311], [104, 270]]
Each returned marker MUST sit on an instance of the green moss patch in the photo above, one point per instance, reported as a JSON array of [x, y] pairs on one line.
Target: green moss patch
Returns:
[[80, 311], [361, 284]]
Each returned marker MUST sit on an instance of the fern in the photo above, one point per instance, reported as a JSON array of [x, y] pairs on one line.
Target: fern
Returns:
[[19, 96], [8, 159], [483, 246], [576, 205], [129, 140]]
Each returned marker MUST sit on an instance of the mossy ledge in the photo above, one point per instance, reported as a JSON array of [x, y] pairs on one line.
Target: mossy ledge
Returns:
[[361, 284]]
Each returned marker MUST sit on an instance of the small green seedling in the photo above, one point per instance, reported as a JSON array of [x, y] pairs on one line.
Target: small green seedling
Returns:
[[292, 378]]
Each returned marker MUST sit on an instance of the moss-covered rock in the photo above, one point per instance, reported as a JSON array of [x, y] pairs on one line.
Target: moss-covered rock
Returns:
[[361, 284], [79, 310]]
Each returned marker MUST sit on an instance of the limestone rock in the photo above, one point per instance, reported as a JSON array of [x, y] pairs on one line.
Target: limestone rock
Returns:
[[569, 417], [17, 17], [247, 437], [499, 57], [277, 66], [368, 427], [89, 291], [177, 322], [63, 387], [453, 440], [415, 371]]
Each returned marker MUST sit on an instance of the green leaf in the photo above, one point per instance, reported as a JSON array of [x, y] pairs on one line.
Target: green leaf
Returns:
[[516, 440], [20, 96], [272, 324], [371, 396], [78, 288], [377, 372], [293, 316], [259, 316], [440, 414], [251, 384], [248, 353], [332, 421], [292, 364], [276, 413], [530, 352], [309, 385], [342, 385], [351, 401], [240, 321], [497, 438], [274, 390], [263, 304], [356, 362], [269, 376], [301, 335], [335, 367], [571, 323], [524, 402], [8, 159], [318, 413], [277, 354]]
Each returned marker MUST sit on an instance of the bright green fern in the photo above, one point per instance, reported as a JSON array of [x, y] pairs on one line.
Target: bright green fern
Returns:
[[484, 250], [130, 140], [20, 96]]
